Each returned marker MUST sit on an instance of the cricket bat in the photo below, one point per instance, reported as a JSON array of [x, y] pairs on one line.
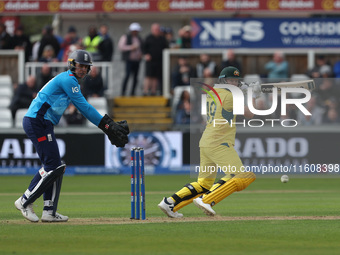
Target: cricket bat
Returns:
[[268, 87]]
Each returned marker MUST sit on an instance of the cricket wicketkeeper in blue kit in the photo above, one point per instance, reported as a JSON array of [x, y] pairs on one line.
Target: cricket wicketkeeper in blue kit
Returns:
[[44, 112]]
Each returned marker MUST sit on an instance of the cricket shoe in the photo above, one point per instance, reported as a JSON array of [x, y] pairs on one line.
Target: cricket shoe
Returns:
[[207, 209], [48, 217], [27, 212], [167, 208]]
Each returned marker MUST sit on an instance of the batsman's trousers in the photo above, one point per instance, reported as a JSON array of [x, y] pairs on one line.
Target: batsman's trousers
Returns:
[[222, 158]]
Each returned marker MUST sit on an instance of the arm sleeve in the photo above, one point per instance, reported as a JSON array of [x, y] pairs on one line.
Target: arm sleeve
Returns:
[[41, 48], [283, 67], [122, 44], [228, 102], [79, 101], [269, 66], [146, 49]]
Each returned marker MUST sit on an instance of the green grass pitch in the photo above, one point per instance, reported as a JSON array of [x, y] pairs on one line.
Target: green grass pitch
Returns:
[[269, 217]]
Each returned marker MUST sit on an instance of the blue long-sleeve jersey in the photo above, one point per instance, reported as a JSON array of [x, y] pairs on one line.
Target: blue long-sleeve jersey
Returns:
[[53, 99]]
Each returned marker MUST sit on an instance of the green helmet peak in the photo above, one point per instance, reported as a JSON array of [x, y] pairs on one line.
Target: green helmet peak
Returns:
[[230, 72], [230, 75]]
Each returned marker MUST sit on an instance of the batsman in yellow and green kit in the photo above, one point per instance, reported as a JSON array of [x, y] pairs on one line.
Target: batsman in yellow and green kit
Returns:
[[217, 154]]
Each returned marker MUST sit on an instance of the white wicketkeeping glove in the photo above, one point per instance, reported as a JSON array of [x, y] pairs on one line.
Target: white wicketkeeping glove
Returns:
[[256, 88]]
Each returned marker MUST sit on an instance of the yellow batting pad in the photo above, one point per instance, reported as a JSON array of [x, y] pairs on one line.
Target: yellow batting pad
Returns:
[[238, 183], [243, 180], [187, 194], [184, 203]]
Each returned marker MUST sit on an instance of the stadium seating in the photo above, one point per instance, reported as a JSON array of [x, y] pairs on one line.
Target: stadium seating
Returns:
[[143, 113], [5, 118], [4, 102], [177, 95], [19, 117], [6, 90]]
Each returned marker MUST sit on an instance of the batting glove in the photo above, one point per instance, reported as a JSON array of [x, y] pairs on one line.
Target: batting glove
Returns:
[[256, 89]]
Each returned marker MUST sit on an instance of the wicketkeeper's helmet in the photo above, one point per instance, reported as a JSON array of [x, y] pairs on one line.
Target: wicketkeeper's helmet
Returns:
[[80, 57], [229, 72]]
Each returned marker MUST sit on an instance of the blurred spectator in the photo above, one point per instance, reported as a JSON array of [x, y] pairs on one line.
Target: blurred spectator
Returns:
[[184, 37], [48, 38], [183, 109], [316, 111], [153, 48], [60, 54], [105, 47], [321, 69], [263, 104], [278, 69], [93, 85], [326, 71], [231, 61], [182, 72], [23, 95], [48, 55], [5, 38], [332, 110], [91, 43], [169, 36], [35, 49], [44, 76], [131, 47], [206, 68], [72, 116], [326, 90], [291, 110], [70, 38], [332, 116], [73, 47], [336, 69], [332, 102], [22, 42], [36, 46]]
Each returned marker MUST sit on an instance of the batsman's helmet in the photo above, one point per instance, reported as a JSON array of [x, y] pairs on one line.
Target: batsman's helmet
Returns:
[[229, 72], [80, 57]]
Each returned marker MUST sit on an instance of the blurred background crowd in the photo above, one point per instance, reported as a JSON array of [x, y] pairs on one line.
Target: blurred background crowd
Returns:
[[142, 55]]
